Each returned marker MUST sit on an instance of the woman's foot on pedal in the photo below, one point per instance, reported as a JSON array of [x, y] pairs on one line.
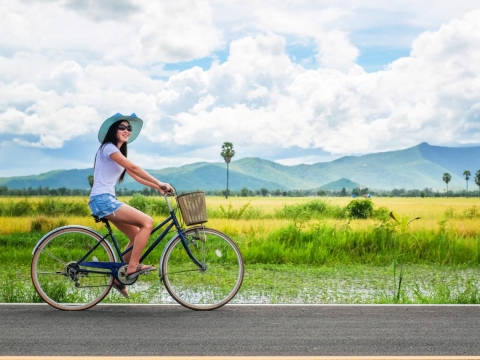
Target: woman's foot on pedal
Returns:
[[139, 270], [121, 288]]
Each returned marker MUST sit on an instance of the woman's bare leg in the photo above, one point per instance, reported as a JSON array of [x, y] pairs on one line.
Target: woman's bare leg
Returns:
[[131, 216], [130, 231]]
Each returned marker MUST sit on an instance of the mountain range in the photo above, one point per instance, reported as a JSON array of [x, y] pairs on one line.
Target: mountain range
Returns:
[[418, 167]]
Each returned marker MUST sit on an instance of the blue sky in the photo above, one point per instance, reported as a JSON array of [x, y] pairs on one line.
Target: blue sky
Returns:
[[294, 82]]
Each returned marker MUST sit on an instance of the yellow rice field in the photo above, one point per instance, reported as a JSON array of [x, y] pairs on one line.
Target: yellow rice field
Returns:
[[432, 211]]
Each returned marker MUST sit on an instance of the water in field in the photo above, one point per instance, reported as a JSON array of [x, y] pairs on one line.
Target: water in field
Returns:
[[283, 284], [345, 285]]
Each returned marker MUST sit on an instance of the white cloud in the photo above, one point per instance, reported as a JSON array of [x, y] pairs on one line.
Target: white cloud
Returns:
[[147, 32], [84, 64], [420, 98], [336, 51], [178, 30]]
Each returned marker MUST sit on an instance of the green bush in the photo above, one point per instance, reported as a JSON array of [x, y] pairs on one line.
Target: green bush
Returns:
[[57, 207], [151, 206], [22, 208], [139, 202], [315, 209], [16, 208], [44, 224], [232, 213], [359, 209], [382, 213]]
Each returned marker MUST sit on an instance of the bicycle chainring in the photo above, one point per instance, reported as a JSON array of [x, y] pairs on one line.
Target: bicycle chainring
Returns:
[[122, 276]]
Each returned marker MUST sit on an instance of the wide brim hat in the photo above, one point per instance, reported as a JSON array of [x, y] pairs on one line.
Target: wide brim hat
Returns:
[[134, 121]]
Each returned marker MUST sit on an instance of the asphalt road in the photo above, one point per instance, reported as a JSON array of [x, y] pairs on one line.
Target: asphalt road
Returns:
[[241, 330]]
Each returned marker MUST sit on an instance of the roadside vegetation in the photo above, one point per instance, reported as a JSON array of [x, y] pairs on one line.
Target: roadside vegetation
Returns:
[[307, 250]]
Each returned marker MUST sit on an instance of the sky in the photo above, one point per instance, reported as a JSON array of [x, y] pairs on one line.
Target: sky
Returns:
[[292, 81]]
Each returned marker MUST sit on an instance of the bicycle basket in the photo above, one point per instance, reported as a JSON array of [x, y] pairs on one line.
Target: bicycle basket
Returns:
[[193, 207]]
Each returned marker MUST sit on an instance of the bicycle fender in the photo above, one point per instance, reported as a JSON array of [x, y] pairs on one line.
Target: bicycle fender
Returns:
[[73, 227]]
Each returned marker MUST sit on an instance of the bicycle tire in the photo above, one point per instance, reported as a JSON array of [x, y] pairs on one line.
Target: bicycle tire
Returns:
[[203, 290], [57, 277]]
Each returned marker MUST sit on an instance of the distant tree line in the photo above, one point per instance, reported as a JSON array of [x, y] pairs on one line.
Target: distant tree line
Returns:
[[245, 192], [43, 191]]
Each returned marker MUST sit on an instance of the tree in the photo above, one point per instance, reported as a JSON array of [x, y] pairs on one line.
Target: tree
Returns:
[[447, 177], [90, 180], [264, 191], [477, 181], [467, 174], [343, 192], [227, 153]]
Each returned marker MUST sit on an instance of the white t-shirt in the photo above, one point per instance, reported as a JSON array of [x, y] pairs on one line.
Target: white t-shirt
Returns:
[[106, 172]]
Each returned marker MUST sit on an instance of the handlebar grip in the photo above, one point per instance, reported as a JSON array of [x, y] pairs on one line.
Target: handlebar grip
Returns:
[[169, 193]]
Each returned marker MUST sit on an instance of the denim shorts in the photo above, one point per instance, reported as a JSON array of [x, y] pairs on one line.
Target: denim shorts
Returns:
[[104, 204]]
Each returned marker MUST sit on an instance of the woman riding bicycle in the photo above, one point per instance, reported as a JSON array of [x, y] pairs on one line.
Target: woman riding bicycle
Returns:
[[110, 166]]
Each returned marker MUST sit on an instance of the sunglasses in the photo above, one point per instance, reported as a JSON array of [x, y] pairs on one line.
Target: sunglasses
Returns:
[[122, 127]]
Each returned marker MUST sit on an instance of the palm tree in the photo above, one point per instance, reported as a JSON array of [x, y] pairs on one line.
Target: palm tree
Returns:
[[477, 181], [447, 177], [467, 174], [227, 153]]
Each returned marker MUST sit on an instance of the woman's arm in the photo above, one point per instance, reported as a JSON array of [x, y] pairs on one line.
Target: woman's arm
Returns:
[[139, 174], [141, 181]]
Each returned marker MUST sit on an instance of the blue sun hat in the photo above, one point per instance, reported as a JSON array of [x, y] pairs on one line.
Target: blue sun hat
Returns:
[[134, 121]]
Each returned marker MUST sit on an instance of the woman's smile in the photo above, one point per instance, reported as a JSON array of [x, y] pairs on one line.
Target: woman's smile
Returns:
[[123, 132]]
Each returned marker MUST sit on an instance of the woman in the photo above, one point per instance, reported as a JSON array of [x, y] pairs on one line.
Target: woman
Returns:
[[110, 166]]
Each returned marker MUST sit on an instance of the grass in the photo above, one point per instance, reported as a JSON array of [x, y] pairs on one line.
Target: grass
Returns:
[[321, 257], [348, 284]]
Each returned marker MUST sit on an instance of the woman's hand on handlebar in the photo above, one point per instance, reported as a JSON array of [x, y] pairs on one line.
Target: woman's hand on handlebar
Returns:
[[165, 188]]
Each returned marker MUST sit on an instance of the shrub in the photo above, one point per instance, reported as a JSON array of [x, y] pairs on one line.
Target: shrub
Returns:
[[57, 207], [232, 213], [312, 210], [22, 208], [471, 213], [139, 202], [359, 209], [382, 213], [44, 224], [18, 208], [158, 206], [150, 206], [76, 209]]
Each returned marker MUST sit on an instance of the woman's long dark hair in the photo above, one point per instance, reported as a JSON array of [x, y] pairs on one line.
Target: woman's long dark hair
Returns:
[[111, 137]]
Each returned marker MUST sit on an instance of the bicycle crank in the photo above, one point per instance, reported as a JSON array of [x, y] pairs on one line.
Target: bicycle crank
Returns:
[[122, 276]]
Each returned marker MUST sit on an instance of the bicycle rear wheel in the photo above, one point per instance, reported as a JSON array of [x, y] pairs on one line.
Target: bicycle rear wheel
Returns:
[[197, 289], [57, 277]]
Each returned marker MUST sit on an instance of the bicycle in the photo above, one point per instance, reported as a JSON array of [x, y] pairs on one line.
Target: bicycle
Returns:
[[73, 267]]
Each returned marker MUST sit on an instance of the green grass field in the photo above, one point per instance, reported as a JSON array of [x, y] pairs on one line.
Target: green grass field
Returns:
[[296, 250]]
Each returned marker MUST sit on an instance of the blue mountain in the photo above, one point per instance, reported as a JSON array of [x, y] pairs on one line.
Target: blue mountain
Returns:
[[418, 167]]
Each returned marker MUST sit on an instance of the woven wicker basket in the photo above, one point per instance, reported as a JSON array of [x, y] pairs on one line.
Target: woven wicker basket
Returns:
[[193, 207]]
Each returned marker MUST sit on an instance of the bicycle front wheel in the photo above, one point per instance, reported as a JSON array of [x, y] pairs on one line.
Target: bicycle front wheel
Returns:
[[58, 278], [203, 289]]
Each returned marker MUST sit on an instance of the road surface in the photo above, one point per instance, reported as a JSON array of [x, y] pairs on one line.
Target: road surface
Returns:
[[109, 330]]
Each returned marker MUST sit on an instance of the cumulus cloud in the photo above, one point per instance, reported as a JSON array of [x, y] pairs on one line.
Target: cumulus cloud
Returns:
[[428, 96], [179, 30], [86, 64], [147, 32]]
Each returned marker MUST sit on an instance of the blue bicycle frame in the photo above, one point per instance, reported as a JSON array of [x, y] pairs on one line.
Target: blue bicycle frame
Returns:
[[115, 266]]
